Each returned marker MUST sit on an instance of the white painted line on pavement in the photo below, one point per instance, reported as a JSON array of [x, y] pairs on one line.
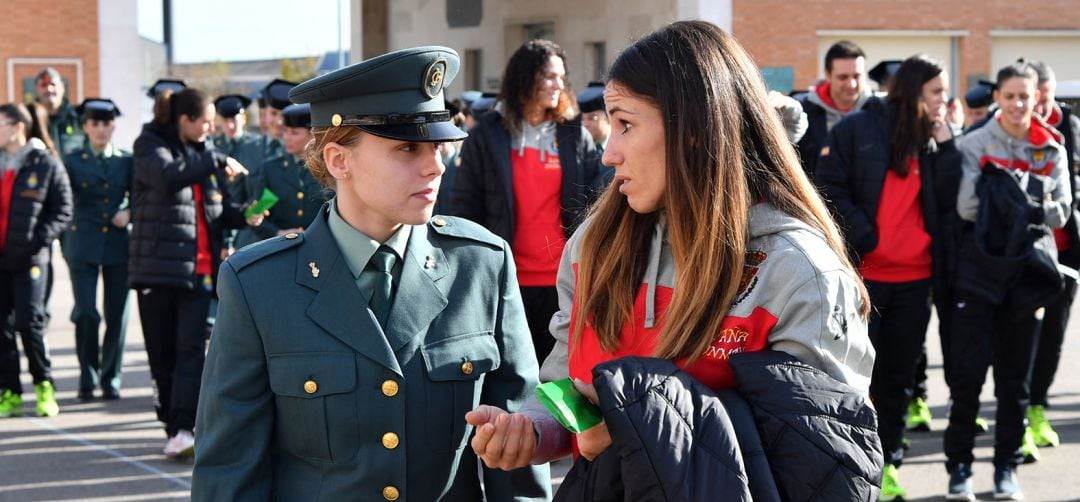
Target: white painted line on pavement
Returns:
[[113, 453]]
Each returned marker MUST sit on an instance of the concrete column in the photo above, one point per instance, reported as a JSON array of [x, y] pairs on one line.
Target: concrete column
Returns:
[[718, 12], [120, 65], [356, 31]]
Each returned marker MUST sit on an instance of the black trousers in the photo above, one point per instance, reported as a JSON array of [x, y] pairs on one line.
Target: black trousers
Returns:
[[901, 312], [985, 334], [541, 302], [99, 364], [944, 305], [1051, 337], [174, 329], [22, 293]]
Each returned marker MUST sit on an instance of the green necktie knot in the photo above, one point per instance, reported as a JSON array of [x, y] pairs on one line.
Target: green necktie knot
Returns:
[[382, 263]]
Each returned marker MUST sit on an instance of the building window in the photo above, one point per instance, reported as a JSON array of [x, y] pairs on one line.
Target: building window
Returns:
[[596, 55], [474, 69], [545, 31]]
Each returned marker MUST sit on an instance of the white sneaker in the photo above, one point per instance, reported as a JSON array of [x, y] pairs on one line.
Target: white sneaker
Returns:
[[182, 445]]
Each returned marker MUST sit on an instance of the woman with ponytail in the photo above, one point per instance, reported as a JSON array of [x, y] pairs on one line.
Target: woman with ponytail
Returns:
[[181, 210]]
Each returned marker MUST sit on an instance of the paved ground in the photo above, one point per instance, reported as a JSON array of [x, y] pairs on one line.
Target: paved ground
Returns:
[[112, 450]]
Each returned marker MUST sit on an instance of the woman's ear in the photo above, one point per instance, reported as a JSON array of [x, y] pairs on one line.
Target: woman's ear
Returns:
[[334, 156]]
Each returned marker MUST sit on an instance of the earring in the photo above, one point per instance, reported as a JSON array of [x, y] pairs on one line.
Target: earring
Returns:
[[348, 175]]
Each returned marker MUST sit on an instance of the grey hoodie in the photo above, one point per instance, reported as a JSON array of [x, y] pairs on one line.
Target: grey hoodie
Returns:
[[832, 115], [1042, 161], [795, 277]]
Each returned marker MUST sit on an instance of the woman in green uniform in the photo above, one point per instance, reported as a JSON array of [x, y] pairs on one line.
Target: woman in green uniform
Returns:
[[286, 175], [95, 244], [344, 358]]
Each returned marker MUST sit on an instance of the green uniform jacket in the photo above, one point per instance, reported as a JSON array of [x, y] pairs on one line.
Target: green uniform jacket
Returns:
[[99, 191], [299, 195], [66, 130], [304, 397], [249, 150]]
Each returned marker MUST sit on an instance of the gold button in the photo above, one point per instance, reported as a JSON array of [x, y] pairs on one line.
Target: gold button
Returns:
[[291, 235], [105, 185], [74, 228], [390, 493], [389, 388], [84, 184], [335, 120], [299, 195], [311, 387], [104, 230], [467, 367], [105, 215], [299, 212], [439, 222], [105, 200], [390, 440]]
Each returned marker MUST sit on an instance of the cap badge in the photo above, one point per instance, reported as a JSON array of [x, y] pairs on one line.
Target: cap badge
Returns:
[[433, 78], [335, 120]]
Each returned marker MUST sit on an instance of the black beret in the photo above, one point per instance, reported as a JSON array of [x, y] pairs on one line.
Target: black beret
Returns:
[[297, 116], [592, 98], [231, 105], [881, 72], [980, 95], [165, 84], [276, 93], [98, 109]]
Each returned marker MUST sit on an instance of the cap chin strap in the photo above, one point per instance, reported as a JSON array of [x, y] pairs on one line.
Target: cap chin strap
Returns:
[[397, 119]]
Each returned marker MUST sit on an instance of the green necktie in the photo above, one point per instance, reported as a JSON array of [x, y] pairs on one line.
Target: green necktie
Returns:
[[382, 263]]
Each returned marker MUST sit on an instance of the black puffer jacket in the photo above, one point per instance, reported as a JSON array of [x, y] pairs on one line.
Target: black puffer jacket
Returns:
[[790, 433], [483, 188], [851, 177], [40, 209], [164, 225]]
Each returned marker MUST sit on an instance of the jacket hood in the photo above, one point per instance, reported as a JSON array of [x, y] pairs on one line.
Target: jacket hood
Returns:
[[1040, 137], [32, 145], [835, 114]]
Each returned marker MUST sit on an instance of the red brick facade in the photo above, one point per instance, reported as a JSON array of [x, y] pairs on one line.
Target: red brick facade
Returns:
[[784, 32], [57, 29]]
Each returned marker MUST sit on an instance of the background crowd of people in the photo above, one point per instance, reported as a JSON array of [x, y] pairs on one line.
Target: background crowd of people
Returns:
[[964, 207]]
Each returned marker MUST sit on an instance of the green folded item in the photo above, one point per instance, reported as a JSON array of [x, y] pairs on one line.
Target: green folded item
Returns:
[[568, 406], [264, 203]]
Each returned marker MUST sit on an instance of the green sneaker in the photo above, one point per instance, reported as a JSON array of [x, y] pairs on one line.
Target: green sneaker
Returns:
[[1029, 448], [918, 415], [46, 399], [1044, 435], [981, 426], [10, 404], [890, 485]]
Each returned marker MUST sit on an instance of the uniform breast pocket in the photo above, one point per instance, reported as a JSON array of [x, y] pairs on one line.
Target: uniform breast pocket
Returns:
[[315, 404], [455, 367]]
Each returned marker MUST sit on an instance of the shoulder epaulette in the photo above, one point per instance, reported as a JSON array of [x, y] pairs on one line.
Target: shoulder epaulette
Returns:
[[459, 227], [263, 249]]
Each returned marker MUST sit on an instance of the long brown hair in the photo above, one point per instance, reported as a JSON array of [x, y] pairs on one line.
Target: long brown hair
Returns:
[[913, 127], [521, 77], [726, 150]]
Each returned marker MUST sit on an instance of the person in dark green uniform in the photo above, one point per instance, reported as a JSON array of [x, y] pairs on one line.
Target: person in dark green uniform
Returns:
[[286, 175], [96, 243], [345, 357], [246, 148], [64, 126], [276, 96]]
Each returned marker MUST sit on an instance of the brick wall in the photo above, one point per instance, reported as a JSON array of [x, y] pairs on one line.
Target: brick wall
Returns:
[[56, 29], [784, 32]]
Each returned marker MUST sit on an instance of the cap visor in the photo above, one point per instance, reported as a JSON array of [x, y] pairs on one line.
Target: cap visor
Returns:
[[432, 132]]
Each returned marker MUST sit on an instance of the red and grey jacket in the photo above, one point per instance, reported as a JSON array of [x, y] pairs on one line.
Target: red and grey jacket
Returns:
[[796, 296], [1039, 158]]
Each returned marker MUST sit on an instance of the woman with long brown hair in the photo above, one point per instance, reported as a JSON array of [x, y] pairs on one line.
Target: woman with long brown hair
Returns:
[[891, 174], [710, 241]]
